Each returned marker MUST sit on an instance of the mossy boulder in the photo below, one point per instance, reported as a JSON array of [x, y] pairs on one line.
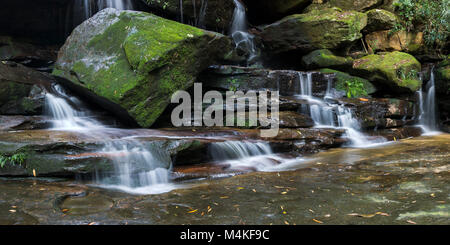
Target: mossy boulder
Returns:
[[397, 71], [395, 41], [322, 29], [214, 15], [137, 60], [379, 20], [442, 76], [357, 5], [341, 78], [325, 58]]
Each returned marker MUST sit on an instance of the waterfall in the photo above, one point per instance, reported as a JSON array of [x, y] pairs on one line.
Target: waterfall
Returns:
[[239, 31], [181, 12], [427, 106], [65, 117], [137, 168], [327, 114], [245, 155], [84, 9]]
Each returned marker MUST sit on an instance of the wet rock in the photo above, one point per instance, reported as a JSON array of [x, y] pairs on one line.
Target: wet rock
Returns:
[[397, 71], [23, 122], [329, 28], [383, 113], [358, 5], [291, 119], [26, 53], [394, 134], [85, 204], [134, 73], [233, 78], [216, 15], [12, 216], [22, 89], [325, 58], [340, 83], [379, 20], [397, 41]]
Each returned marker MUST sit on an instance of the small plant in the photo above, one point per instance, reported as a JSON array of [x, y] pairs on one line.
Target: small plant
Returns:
[[355, 88], [234, 84], [16, 159]]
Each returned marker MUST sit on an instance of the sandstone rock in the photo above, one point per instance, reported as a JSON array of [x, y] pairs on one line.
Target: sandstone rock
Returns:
[[358, 5], [397, 41], [379, 20]]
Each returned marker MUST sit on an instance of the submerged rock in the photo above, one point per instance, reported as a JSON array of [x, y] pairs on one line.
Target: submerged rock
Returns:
[[136, 60], [398, 71], [329, 28]]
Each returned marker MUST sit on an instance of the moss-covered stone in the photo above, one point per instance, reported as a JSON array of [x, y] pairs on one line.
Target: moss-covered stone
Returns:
[[398, 71], [341, 78], [137, 60], [379, 19], [325, 58], [443, 76], [319, 29]]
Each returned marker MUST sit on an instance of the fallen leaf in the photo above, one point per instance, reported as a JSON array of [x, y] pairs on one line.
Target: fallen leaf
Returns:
[[317, 221], [12, 211], [192, 211], [363, 99], [224, 197], [65, 210], [34, 173], [92, 223], [411, 222]]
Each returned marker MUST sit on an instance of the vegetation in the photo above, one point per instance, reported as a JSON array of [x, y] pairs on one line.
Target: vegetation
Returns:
[[355, 88], [430, 16], [16, 159]]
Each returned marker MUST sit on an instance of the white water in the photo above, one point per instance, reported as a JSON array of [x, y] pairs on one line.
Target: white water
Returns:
[[427, 107], [239, 31], [245, 155], [87, 8], [327, 114], [138, 168]]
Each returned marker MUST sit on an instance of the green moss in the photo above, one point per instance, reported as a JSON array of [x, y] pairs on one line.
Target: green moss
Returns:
[[342, 78], [325, 58]]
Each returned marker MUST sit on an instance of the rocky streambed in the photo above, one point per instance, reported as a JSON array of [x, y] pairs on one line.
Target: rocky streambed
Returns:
[[405, 182]]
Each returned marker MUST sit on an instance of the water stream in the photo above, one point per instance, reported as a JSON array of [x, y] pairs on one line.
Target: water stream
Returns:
[[239, 32], [427, 107], [138, 168], [84, 9], [327, 113]]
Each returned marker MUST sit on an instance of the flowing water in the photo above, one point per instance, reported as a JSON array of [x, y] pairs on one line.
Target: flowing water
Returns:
[[84, 9], [427, 107], [239, 32], [245, 155], [326, 113], [138, 168]]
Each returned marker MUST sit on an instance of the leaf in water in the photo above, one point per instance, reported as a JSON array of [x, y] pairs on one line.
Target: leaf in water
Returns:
[[192, 211], [317, 221], [287, 223], [92, 223], [368, 215], [65, 210], [209, 209], [224, 197], [284, 193], [411, 222], [12, 211], [34, 172], [240, 188], [363, 99]]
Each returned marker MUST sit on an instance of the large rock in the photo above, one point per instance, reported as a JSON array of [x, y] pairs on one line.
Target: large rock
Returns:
[[358, 5], [136, 60], [246, 78], [325, 58], [320, 29], [215, 15], [22, 89], [379, 20], [397, 71], [398, 41]]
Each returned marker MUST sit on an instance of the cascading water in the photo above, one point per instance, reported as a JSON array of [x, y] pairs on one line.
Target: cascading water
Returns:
[[239, 31], [327, 114], [85, 9], [138, 168], [427, 106], [249, 155]]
